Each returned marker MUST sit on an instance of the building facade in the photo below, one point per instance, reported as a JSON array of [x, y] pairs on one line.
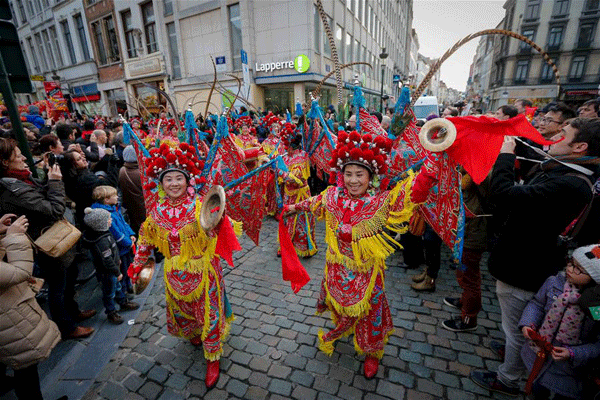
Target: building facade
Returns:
[[567, 30], [115, 55]]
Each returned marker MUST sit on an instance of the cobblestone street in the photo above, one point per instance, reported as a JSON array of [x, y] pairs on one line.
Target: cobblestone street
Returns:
[[272, 353]]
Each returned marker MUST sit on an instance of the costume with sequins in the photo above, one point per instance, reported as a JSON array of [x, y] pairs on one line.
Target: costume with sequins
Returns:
[[195, 293], [353, 286], [301, 226]]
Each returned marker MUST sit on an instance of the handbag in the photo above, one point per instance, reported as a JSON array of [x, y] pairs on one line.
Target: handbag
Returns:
[[58, 239]]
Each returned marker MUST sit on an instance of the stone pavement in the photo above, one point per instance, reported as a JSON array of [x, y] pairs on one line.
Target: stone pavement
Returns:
[[272, 352]]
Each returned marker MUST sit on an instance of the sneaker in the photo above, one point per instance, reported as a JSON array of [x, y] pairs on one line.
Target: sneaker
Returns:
[[459, 324], [453, 302], [490, 381], [497, 348], [130, 305], [114, 318]]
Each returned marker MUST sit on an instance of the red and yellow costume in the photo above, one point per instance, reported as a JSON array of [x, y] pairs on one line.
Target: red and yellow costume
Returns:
[[193, 275], [301, 226]]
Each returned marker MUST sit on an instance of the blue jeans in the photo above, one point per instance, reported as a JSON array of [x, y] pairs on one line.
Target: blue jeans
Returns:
[[126, 260], [112, 291], [512, 303]]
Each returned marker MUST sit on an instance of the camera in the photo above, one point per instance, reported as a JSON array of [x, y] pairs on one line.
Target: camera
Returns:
[[54, 158]]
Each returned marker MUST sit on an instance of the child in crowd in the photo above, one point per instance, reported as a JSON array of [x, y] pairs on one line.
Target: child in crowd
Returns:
[[556, 315], [106, 260], [106, 198]]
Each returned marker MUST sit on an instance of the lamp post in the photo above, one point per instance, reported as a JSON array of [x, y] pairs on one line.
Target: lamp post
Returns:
[[382, 57]]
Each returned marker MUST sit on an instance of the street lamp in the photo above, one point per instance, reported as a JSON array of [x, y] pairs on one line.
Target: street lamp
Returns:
[[382, 57]]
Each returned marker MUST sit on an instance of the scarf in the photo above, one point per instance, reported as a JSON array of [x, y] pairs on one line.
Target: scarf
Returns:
[[563, 321], [22, 175]]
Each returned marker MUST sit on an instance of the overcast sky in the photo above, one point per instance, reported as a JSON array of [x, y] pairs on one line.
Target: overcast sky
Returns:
[[441, 23]]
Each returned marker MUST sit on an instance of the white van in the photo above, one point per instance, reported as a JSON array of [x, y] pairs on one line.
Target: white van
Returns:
[[426, 106]]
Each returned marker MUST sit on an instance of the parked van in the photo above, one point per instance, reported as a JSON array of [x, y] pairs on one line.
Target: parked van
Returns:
[[426, 106]]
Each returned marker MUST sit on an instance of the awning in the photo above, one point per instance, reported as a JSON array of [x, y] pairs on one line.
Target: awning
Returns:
[[83, 93], [581, 92]]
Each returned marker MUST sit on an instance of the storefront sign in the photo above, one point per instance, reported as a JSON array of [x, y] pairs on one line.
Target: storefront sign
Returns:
[[143, 67], [38, 78], [301, 64], [85, 93]]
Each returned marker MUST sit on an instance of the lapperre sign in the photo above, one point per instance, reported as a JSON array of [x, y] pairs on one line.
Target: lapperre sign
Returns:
[[301, 64]]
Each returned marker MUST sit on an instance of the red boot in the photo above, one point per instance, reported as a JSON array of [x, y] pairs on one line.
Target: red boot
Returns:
[[371, 366], [212, 373]]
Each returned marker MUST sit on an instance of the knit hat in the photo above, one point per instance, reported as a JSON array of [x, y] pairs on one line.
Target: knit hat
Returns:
[[33, 110], [129, 154], [589, 259], [97, 218]]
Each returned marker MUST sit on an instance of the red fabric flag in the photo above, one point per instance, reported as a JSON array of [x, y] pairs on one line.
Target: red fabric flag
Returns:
[[227, 242], [479, 139], [291, 267]]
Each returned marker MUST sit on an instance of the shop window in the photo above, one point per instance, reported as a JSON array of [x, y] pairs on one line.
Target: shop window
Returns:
[[69, 40], [149, 27], [129, 34], [235, 29]]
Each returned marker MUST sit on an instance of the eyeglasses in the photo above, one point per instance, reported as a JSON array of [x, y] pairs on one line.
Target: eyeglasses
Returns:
[[576, 269], [545, 120]]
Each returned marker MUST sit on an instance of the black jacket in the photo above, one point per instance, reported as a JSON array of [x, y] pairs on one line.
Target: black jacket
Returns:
[[529, 218], [105, 252], [42, 205]]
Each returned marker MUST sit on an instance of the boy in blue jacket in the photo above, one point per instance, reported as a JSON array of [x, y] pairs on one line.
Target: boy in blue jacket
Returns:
[[106, 198]]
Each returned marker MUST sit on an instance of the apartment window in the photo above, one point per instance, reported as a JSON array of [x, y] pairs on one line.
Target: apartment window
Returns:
[[168, 7], [586, 35], [529, 34], [532, 11], [317, 22], [29, 8], [69, 40], [351, 5], [369, 15], [592, 5], [356, 52], [235, 27], [547, 74], [38, 6], [365, 58], [56, 46], [555, 37], [113, 40], [339, 34], [577, 68], [36, 65], [21, 11], [99, 43], [561, 8], [326, 46], [129, 35], [174, 51], [348, 48], [361, 11], [149, 27], [82, 39], [40, 46], [48, 47], [372, 20], [522, 71]]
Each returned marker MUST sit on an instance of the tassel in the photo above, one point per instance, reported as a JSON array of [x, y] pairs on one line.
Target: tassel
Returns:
[[292, 270], [227, 241]]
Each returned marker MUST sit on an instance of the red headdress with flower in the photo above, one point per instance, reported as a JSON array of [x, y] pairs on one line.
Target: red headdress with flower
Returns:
[[241, 121], [270, 119], [367, 150], [173, 157]]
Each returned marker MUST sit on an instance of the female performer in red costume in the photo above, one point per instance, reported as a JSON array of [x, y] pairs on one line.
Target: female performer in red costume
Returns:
[[197, 309], [356, 214]]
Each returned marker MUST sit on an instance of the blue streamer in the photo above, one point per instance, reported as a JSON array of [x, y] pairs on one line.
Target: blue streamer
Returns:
[[288, 116], [315, 112], [277, 162], [403, 101], [128, 133], [299, 110], [222, 132], [359, 102]]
